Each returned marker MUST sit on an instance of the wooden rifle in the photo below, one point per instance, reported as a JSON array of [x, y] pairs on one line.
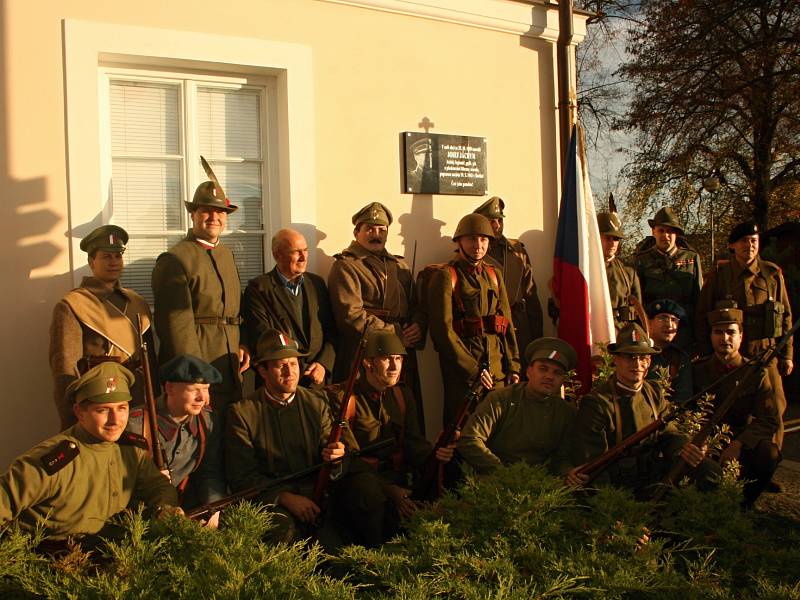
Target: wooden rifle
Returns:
[[431, 484], [336, 431], [207, 510], [757, 362], [159, 454]]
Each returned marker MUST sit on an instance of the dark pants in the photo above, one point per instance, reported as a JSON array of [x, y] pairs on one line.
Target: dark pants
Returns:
[[364, 509], [758, 466]]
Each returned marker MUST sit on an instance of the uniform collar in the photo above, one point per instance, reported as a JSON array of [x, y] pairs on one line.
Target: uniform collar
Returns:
[[200, 242], [274, 401], [86, 438], [753, 268], [96, 287], [359, 251]]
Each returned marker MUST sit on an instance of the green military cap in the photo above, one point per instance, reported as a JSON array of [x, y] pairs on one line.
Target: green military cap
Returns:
[[632, 339], [421, 145], [383, 343], [610, 224], [208, 194], [725, 311], [374, 213], [666, 217], [492, 208], [189, 369], [550, 348], [473, 224], [743, 229], [274, 345], [107, 382], [107, 237]]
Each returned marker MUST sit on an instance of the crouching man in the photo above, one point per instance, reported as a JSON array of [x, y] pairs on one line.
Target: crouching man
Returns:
[[528, 421], [277, 431], [376, 491], [74, 482], [621, 406]]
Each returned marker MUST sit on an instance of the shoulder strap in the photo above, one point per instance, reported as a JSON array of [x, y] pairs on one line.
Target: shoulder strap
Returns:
[[60, 456], [492, 275]]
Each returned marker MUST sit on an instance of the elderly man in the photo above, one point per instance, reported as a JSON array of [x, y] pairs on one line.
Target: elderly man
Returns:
[[371, 288], [197, 292], [759, 290], [621, 406], [296, 302], [74, 482], [189, 431], [470, 317], [669, 268], [376, 491], [623, 282], [277, 431], [528, 421], [97, 320], [512, 257], [753, 418], [665, 318]]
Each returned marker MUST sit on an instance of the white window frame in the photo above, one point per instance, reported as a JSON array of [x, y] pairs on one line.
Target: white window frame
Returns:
[[290, 198]]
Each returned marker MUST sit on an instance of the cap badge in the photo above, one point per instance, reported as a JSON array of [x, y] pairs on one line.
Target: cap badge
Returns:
[[111, 385], [283, 340], [553, 355], [374, 213], [634, 336]]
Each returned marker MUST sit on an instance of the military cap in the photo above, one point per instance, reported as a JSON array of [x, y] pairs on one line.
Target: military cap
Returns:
[[743, 229], [383, 343], [473, 224], [665, 305], [107, 237], [492, 208], [107, 382], [666, 217], [610, 224], [274, 345], [725, 311], [208, 194], [550, 348], [186, 368], [373, 214], [421, 145], [632, 339]]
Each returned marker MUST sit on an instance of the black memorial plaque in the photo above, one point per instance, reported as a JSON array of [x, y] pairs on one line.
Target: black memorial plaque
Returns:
[[437, 163]]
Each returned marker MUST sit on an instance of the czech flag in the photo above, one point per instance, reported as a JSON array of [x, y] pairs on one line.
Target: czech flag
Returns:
[[579, 284]]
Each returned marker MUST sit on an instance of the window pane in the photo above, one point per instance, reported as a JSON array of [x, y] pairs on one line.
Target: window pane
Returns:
[[145, 118], [229, 123], [249, 253], [140, 258], [146, 194]]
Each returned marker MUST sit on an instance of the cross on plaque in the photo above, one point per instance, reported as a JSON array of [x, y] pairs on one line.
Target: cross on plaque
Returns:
[[426, 124]]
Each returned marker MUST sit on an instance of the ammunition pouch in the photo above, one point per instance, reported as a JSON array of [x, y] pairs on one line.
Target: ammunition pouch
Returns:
[[218, 320], [477, 326], [764, 321]]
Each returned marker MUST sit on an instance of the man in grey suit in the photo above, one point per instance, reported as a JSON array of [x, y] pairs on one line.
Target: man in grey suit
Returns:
[[294, 302]]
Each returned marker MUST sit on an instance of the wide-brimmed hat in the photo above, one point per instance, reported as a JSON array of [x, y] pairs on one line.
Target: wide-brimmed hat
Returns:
[[632, 339], [666, 217], [274, 345], [210, 193], [610, 224]]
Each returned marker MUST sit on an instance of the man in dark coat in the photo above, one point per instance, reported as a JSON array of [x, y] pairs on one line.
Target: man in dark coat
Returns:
[[294, 301], [197, 293], [666, 318]]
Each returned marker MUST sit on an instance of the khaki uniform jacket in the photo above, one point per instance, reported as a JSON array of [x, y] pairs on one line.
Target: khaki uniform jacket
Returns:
[[458, 356], [266, 305], [88, 321], [80, 494], [623, 282], [526, 309], [265, 441], [197, 294], [378, 416], [360, 282], [753, 416], [514, 424], [760, 291]]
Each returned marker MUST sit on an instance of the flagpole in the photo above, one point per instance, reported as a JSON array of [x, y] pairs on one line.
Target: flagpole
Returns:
[[564, 74]]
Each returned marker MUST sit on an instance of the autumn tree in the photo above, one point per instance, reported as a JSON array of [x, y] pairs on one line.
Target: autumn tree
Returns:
[[716, 90]]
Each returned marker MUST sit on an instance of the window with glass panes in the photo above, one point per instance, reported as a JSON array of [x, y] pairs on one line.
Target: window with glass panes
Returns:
[[159, 127]]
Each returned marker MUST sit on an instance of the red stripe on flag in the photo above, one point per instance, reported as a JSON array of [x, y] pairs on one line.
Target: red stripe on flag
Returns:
[[570, 288]]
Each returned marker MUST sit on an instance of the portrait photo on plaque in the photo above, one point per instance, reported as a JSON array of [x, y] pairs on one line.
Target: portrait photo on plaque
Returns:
[[438, 163]]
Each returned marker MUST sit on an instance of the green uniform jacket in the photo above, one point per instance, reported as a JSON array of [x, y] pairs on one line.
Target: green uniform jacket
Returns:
[[760, 291], [623, 282], [526, 309], [597, 419], [378, 416], [197, 295], [753, 416], [678, 277], [266, 305], [265, 441], [83, 493], [361, 284], [107, 328], [514, 424]]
